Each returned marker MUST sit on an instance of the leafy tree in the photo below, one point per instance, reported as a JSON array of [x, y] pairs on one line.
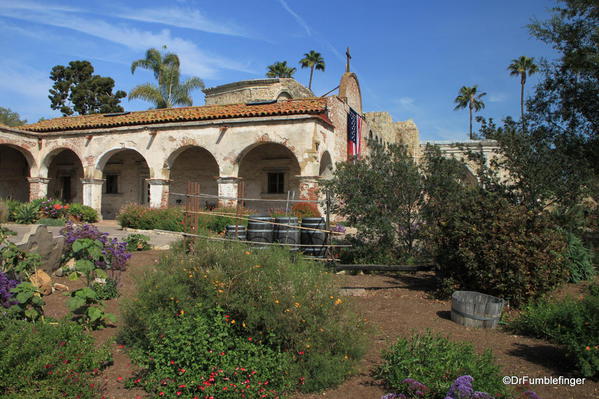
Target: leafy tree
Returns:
[[471, 98], [280, 70], [10, 118], [170, 91], [77, 89], [523, 67], [312, 60]]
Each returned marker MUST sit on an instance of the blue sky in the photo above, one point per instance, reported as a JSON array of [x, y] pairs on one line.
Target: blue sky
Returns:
[[411, 57]]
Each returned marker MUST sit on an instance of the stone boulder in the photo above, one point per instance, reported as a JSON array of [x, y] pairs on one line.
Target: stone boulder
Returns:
[[42, 281], [41, 241]]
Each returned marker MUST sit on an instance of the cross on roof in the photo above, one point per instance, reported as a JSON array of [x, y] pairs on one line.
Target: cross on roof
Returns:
[[348, 56]]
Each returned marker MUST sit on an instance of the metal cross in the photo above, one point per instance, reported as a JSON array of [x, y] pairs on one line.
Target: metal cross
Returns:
[[348, 56]]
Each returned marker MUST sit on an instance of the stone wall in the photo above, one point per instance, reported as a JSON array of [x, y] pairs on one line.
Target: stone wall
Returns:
[[256, 90], [406, 133]]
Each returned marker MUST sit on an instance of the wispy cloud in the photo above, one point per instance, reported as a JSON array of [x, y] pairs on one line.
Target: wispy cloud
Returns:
[[296, 16], [497, 97], [194, 61]]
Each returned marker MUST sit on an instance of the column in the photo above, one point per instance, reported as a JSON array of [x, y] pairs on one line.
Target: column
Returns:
[[159, 192], [38, 187], [227, 187], [92, 194]]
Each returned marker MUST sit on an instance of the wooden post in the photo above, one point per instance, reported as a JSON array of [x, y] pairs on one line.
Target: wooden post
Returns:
[[328, 250], [240, 195], [190, 217]]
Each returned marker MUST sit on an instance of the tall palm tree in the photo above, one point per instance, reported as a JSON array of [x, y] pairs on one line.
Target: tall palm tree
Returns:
[[312, 60], [280, 70], [522, 66], [469, 97], [170, 91]]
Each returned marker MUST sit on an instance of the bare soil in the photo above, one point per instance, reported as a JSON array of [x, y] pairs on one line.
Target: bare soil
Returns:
[[396, 305]]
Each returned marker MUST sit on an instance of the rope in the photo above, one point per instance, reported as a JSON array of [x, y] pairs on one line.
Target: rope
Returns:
[[242, 199]]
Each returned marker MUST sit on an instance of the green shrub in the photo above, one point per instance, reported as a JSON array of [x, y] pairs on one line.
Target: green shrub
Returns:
[[39, 361], [569, 322], [25, 212], [83, 213], [137, 242], [142, 217], [201, 353], [488, 245], [289, 304], [4, 211], [51, 222], [578, 260], [436, 362], [106, 290]]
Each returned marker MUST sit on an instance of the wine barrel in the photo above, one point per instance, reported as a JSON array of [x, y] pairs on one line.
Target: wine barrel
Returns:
[[473, 309], [315, 239], [230, 232], [287, 234], [260, 229]]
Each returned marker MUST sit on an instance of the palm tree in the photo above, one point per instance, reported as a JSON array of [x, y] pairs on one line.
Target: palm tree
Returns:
[[312, 60], [280, 70], [468, 97], [522, 67], [170, 91]]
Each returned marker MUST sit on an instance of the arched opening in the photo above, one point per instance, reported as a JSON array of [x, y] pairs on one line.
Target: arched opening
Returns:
[[283, 96], [194, 164], [125, 173], [326, 166], [65, 172], [269, 171], [14, 171]]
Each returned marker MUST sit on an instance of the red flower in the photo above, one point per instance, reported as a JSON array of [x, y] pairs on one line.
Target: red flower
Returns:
[[57, 206], [161, 394]]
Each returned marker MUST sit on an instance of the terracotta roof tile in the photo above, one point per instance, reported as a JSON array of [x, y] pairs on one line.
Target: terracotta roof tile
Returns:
[[315, 106]]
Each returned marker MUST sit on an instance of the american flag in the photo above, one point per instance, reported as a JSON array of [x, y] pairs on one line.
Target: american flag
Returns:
[[354, 134]]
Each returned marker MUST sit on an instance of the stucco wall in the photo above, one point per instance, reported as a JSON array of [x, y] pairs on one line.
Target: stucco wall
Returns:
[[256, 90]]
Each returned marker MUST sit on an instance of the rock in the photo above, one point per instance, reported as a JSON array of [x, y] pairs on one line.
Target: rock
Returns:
[[59, 272], [41, 241], [42, 281], [70, 265], [60, 287], [99, 280]]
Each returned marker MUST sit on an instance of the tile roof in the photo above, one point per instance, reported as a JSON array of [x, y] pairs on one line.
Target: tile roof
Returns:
[[313, 106]]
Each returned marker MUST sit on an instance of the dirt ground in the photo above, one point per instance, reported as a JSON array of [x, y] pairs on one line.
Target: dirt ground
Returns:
[[396, 305]]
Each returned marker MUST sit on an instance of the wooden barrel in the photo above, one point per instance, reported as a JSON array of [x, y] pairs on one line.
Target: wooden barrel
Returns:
[[315, 239], [473, 309], [230, 232], [260, 228], [287, 234]]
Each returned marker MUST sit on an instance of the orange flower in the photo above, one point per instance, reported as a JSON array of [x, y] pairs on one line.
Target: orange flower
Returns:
[[588, 348]]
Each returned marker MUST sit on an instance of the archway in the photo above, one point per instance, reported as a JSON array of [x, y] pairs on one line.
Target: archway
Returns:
[[269, 171], [14, 171], [125, 173], [326, 166], [65, 172], [194, 164]]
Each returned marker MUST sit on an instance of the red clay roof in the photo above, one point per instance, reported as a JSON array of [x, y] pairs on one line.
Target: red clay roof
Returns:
[[314, 106]]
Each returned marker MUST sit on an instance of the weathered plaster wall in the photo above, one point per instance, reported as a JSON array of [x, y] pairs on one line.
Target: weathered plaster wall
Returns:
[[256, 90], [65, 165]]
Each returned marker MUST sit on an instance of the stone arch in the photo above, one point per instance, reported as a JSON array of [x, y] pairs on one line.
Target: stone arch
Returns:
[[64, 169], [326, 166], [16, 164], [284, 95], [126, 177], [269, 170], [192, 163]]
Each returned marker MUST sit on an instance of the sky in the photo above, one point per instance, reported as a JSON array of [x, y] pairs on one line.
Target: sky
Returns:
[[411, 57]]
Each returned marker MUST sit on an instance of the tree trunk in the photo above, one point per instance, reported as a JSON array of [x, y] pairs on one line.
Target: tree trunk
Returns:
[[470, 109], [522, 100], [311, 73]]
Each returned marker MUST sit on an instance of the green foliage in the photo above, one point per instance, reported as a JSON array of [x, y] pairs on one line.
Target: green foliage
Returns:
[[572, 323], [83, 213], [312, 60], [578, 260], [76, 89], [491, 246], [141, 217], [10, 118], [4, 211], [137, 242], [24, 212], [17, 263], [30, 303], [108, 289], [470, 97], [200, 353], [288, 304], [381, 196], [280, 70], [436, 362], [39, 361]]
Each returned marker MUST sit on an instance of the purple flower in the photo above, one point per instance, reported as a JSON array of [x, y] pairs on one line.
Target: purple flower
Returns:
[[6, 297], [531, 395]]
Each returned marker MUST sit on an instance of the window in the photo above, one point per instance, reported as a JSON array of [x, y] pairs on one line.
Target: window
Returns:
[[276, 183], [112, 184]]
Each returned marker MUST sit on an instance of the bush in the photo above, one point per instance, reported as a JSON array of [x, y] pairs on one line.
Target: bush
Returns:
[[137, 242], [25, 212], [569, 322], [305, 210], [83, 213], [53, 209], [144, 218], [106, 290], [39, 361], [491, 246], [436, 362], [578, 260], [288, 304]]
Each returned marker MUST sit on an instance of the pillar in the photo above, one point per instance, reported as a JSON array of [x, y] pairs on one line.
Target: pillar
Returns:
[[227, 187], [38, 187], [92, 194], [159, 192]]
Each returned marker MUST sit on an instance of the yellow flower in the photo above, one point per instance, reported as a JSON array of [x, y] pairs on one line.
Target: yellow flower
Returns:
[[338, 301], [287, 310], [276, 301], [331, 297], [221, 291], [297, 304], [232, 321], [247, 252]]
